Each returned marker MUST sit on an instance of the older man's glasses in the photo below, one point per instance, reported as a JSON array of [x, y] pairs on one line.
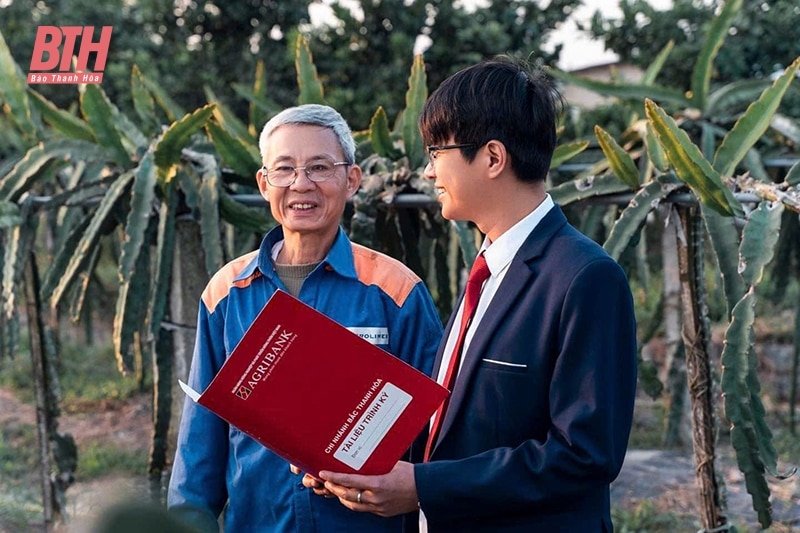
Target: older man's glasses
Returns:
[[284, 175], [433, 151]]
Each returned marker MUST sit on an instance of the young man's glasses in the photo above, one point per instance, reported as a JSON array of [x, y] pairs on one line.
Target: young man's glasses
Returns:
[[284, 175], [433, 151]]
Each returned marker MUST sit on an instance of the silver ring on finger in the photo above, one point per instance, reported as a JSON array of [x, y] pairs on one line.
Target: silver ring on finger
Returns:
[[358, 498]]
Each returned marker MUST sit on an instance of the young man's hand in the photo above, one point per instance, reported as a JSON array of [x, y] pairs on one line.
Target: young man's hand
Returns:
[[386, 495]]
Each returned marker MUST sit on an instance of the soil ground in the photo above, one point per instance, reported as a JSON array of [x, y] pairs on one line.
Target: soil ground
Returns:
[[664, 478]]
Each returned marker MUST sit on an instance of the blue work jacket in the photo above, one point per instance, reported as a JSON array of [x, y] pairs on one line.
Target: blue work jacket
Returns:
[[219, 470]]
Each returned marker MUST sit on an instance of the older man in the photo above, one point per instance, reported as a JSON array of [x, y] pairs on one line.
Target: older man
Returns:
[[308, 175]]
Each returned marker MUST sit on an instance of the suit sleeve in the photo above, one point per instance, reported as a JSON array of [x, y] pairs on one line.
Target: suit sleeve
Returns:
[[197, 489], [590, 406]]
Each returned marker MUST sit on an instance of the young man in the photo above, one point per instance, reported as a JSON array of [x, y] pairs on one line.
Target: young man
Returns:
[[309, 173], [542, 397]]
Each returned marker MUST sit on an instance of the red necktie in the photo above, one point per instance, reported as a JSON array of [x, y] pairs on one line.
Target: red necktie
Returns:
[[478, 274]]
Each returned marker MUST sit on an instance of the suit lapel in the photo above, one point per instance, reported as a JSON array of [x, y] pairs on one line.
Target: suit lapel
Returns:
[[520, 274]]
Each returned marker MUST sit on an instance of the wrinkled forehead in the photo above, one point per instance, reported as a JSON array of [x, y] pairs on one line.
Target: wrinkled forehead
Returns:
[[302, 142]]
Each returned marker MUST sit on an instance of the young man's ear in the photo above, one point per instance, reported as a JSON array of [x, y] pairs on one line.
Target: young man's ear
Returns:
[[497, 156]]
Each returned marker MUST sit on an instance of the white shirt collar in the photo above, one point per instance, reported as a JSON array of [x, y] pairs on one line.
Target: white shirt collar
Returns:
[[500, 252]]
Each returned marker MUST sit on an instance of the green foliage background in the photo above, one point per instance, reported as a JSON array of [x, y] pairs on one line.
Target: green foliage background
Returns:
[[189, 45], [116, 167]]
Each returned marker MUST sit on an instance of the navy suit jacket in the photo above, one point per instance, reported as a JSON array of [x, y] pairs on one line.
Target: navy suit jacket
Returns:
[[534, 444]]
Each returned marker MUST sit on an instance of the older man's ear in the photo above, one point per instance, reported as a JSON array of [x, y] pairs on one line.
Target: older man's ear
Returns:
[[354, 177]]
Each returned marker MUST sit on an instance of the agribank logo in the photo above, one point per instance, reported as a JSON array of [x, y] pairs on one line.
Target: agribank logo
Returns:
[[54, 48]]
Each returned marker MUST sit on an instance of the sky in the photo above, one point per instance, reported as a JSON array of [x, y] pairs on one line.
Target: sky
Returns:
[[579, 50]]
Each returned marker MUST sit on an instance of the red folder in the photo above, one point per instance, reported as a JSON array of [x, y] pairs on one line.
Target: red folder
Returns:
[[319, 395]]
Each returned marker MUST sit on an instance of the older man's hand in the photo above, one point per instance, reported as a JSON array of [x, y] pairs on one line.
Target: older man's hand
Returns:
[[313, 483]]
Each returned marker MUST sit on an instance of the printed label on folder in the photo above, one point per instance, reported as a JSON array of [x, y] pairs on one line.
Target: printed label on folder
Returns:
[[377, 420]]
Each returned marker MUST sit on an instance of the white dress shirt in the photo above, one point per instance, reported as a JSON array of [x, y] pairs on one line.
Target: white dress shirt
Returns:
[[498, 256]]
